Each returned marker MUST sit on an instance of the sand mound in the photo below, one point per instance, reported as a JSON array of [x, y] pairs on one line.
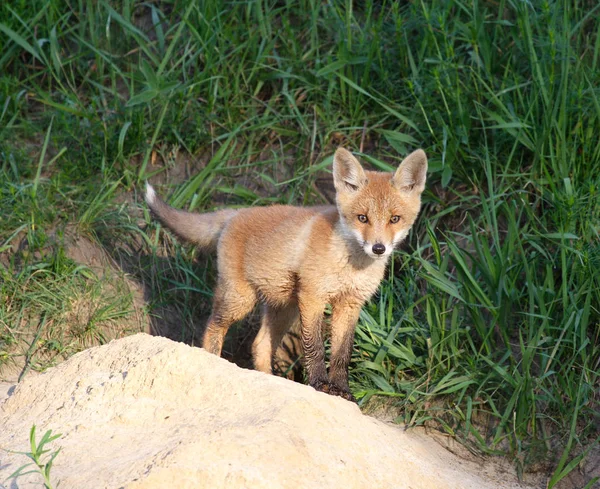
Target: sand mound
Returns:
[[146, 412]]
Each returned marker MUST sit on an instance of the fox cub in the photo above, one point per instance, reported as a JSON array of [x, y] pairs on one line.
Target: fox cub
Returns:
[[296, 260]]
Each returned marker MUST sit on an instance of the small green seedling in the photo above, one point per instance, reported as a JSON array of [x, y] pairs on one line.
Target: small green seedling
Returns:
[[36, 455]]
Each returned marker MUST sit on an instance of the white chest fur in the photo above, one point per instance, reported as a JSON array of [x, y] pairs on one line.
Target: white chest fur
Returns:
[[357, 276]]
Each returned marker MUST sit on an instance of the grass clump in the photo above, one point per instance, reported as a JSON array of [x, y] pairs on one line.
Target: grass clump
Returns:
[[488, 323], [53, 307]]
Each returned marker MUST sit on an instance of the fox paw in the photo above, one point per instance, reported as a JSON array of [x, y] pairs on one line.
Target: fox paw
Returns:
[[321, 386], [334, 390]]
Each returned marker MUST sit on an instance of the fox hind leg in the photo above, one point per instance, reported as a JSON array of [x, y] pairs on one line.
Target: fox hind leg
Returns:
[[232, 302], [274, 324]]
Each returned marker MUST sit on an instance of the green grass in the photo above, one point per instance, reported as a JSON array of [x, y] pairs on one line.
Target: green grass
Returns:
[[40, 461], [488, 322]]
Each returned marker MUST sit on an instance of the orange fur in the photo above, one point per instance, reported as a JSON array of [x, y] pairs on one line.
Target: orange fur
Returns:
[[296, 260]]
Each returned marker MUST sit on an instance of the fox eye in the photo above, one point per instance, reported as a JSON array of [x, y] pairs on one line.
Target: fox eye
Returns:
[[394, 219], [362, 218]]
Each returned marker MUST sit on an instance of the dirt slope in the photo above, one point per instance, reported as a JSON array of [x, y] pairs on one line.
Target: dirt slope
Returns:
[[146, 412]]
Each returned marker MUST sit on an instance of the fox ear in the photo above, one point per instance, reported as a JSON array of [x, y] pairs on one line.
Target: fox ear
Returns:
[[412, 172], [348, 174]]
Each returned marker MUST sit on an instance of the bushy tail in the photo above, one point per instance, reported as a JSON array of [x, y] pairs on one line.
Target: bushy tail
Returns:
[[201, 229]]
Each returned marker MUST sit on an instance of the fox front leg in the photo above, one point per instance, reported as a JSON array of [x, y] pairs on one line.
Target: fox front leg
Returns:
[[343, 323], [311, 319]]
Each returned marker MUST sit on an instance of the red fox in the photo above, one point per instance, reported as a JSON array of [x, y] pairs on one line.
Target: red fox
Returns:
[[296, 260]]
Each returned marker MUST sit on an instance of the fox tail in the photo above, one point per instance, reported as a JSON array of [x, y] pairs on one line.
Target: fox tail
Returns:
[[202, 230]]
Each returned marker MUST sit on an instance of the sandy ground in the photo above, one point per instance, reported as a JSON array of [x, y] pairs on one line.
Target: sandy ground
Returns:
[[148, 412]]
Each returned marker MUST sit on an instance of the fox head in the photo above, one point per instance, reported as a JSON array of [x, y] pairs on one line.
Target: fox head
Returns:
[[378, 209]]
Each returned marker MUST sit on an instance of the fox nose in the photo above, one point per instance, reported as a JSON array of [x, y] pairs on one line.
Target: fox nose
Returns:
[[378, 249]]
